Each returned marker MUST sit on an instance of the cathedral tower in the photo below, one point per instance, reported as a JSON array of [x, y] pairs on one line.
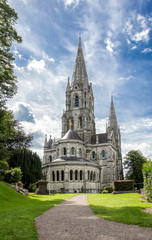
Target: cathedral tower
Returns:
[[79, 101]]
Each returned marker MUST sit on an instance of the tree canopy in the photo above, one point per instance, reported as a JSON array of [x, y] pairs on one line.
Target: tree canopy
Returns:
[[134, 161], [29, 163], [8, 34]]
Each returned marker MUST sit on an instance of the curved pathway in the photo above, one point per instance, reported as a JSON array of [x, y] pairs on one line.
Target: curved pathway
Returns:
[[73, 219]]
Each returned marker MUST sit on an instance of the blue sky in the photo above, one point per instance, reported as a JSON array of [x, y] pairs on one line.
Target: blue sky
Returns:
[[117, 45]]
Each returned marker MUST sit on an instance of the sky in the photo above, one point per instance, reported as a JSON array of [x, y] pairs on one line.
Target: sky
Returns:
[[117, 46]]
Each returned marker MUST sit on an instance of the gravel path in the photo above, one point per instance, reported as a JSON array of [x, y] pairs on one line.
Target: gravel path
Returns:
[[73, 219]]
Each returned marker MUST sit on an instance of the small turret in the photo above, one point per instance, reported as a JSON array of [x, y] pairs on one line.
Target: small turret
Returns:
[[45, 142], [68, 85]]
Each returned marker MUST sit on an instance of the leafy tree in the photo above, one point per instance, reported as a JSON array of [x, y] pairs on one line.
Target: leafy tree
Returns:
[[134, 161], [8, 34], [29, 163], [12, 135]]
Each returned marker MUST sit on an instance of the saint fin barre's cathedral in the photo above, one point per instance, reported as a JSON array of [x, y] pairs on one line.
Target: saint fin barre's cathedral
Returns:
[[82, 161]]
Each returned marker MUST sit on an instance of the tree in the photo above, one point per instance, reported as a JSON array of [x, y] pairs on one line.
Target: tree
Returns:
[[12, 135], [29, 163], [8, 34], [134, 161]]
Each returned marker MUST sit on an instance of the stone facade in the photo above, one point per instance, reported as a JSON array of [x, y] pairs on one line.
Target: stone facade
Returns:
[[82, 161]]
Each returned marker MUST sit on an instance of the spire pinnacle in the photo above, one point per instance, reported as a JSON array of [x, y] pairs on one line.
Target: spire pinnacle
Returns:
[[112, 115], [45, 142], [80, 76], [68, 85]]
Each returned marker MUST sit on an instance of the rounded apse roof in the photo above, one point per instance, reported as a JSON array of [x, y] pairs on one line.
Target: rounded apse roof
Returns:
[[71, 135]]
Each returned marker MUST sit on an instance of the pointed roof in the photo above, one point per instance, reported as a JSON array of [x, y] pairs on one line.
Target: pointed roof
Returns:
[[112, 115], [80, 76], [71, 135], [68, 85]]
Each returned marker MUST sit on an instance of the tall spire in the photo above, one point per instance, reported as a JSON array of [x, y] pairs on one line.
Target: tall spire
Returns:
[[80, 76], [112, 123], [68, 85]]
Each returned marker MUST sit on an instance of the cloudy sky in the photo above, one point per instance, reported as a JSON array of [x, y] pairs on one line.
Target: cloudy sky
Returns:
[[117, 45]]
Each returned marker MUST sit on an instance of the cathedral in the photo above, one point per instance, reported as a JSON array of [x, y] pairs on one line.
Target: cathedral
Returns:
[[81, 160]]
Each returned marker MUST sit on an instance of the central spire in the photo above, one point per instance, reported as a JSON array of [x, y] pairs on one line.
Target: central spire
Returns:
[[80, 77]]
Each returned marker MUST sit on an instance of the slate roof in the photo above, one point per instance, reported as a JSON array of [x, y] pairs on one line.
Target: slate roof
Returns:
[[103, 138], [71, 135]]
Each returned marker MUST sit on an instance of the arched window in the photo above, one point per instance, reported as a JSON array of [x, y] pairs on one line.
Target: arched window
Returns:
[[103, 155], [88, 175], [80, 152], [62, 175], [91, 176], [57, 175], [50, 159], [93, 155], [81, 175], [71, 175], [76, 174], [94, 177], [53, 176], [64, 151], [80, 122], [76, 101], [72, 151]]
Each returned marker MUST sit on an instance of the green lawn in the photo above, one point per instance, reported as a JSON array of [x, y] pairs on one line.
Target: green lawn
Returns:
[[125, 208], [17, 212]]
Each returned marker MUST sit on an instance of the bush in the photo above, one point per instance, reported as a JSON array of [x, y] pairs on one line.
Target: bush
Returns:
[[4, 165], [105, 191], [13, 176], [109, 189], [2, 175], [123, 185], [32, 187], [147, 173]]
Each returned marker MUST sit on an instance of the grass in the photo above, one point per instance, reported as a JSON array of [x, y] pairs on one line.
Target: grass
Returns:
[[17, 212], [124, 208]]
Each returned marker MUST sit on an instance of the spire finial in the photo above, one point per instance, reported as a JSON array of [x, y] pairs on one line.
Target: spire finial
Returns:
[[79, 38]]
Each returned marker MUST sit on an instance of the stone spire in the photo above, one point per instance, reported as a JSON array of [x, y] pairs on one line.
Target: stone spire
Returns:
[[80, 77], [45, 142], [68, 85], [112, 123]]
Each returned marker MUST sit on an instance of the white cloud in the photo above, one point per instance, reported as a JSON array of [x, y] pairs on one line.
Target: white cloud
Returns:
[[46, 57], [36, 65], [134, 47], [69, 3], [141, 36], [111, 46], [147, 50], [18, 69]]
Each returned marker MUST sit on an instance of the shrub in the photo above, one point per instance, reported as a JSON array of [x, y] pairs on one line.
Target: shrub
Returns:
[[13, 176], [4, 165], [147, 173], [105, 191], [109, 189], [32, 187], [123, 185]]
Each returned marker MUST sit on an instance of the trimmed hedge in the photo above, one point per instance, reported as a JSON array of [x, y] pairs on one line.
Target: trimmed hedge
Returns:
[[123, 185]]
